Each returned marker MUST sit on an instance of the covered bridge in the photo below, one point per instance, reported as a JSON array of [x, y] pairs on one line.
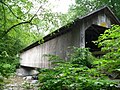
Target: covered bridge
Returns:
[[81, 33]]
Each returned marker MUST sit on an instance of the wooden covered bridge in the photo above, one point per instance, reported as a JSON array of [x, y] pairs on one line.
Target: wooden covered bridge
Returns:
[[81, 33]]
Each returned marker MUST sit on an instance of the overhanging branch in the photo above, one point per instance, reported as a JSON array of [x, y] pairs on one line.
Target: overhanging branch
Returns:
[[10, 10], [25, 22]]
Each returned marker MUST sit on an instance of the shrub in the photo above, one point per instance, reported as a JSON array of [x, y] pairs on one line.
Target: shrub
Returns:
[[110, 43], [78, 73]]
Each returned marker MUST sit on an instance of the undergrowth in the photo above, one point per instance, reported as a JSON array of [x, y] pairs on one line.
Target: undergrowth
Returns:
[[81, 72]]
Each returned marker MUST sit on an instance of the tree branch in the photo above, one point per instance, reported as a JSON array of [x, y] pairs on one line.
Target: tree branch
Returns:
[[25, 22], [10, 10], [15, 26], [4, 16]]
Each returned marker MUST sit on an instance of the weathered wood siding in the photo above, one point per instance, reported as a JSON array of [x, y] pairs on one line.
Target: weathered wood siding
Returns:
[[57, 46], [34, 57]]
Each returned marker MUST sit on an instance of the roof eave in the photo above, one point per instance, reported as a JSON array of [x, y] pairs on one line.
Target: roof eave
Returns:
[[65, 28]]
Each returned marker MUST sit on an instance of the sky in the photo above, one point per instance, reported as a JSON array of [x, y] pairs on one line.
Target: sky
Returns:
[[61, 5], [57, 5]]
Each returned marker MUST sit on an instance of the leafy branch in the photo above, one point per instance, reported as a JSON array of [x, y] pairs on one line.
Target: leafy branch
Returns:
[[25, 22], [10, 10]]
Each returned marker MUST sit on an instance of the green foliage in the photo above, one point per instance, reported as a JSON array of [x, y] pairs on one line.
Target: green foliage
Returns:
[[8, 59], [27, 86], [81, 57], [22, 20], [110, 43], [79, 9], [113, 4], [71, 75], [54, 59], [1, 82], [83, 7]]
